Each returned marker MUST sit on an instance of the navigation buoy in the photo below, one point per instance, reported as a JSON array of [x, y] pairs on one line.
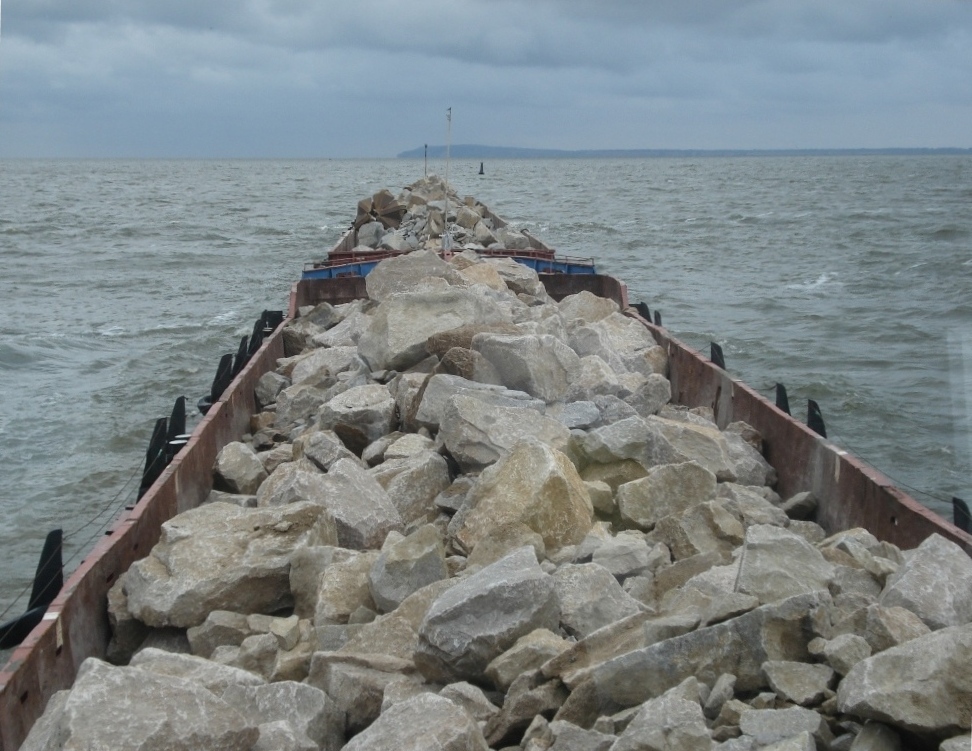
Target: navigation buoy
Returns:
[[481, 169]]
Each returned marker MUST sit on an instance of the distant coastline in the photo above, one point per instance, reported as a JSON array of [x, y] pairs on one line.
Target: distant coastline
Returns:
[[477, 151]]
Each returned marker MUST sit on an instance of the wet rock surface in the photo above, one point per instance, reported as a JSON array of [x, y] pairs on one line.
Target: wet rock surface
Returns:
[[479, 524]]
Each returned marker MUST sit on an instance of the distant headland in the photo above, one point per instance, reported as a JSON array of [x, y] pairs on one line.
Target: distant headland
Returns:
[[477, 151]]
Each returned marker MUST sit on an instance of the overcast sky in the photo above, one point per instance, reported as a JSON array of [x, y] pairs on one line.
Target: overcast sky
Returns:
[[371, 78]]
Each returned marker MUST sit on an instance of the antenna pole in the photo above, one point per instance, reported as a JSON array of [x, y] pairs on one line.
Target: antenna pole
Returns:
[[446, 238]]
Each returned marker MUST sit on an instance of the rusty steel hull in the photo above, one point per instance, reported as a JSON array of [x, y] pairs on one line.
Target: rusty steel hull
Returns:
[[76, 626]]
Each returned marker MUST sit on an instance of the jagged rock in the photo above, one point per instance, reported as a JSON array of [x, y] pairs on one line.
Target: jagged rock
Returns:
[[401, 274], [198, 670], [442, 387], [587, 307], [344, 588], [410, 444], [702, 528], [653, 394], [469, 364], [478, 433], [299, 403], [593, 378], [370, 233], [612, 337], [747, 463], [120, 708], [935, 583], [356, 683], [413, 482], [267, 388], [888, 627], [534, 487], [670, 722], [440, 343], [407, 566], [958, 743], [769, 726], [590, 598], [529, 696], [309, 712], [750, 507], [425, 721], [401, 325], [924, 685], [292, 482], [472, 699], [326, 362], [542, 366], [323, 448], [568, 737], [703, 444], [777, 563], [348, 331], [843, 652], [625, 555], [483, 615], [631, 438], [221, 557], [581, 414], [362, 510], [529, 653], [798, 682], [667, 489], [519, 278], [369, 409], [238, 469], [740, 646], [722, 691]]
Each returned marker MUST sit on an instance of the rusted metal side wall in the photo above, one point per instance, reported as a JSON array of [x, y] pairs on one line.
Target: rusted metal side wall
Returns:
[[849, 493], [76, 624], [336, 291]]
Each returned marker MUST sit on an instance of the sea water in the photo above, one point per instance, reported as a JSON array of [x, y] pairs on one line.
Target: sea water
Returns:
[[848, 279]]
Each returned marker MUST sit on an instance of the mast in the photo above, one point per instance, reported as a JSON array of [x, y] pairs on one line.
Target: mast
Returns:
[[446, 237]]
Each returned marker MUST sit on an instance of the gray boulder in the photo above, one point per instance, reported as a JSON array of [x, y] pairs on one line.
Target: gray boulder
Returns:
[[425, 721], [776, 564], [310, 713], [798, 682], [935, 583], [535, 488], [769, 726], [198, 670], [119, 708], [542, 366], [483, 615], [670, 722], [238, 469], [651, 396], [442, 387], [413, 482], [400, 327], [362, 510], [668, 489], [587, 307], [407, 566], [924, 685], [325, 361], [590, 598], [368, 409], [267, 388], [222, 557], [401, 274], [478, 433]]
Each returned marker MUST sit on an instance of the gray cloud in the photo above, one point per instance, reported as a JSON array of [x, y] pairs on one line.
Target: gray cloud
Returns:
[[305, 77]]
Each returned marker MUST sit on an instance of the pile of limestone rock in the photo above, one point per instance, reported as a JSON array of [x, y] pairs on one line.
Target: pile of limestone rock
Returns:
[[417, 217], [468, 517]]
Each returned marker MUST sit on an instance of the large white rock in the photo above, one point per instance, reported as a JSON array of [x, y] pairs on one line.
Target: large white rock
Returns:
[[198, 670], [935, 583], [776, 564], [542, 366], [223, 557], [362, 510], [325, 361], [369, 409], [238, 469], [395, 339], [442, 387], [668, 489], [483, 615], [534, 487], [401, 274], [426, 722], [587, 307], [127, 709], [924, 685], [477, 433]]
